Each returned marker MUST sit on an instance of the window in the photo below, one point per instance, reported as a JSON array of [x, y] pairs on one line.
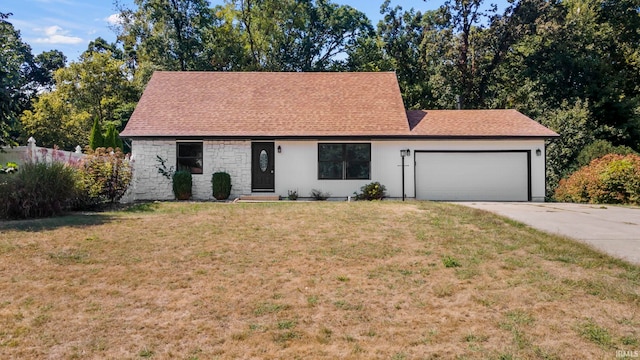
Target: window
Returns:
[[344, 161], [190, 157]]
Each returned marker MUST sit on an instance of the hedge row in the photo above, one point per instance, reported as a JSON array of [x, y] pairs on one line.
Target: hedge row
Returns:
[[43, 189], [611, 179]]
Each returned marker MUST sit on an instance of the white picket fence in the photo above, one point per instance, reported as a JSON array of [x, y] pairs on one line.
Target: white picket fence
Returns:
[[33, 153]]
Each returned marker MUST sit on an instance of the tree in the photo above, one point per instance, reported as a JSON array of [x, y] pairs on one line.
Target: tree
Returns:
[[112, 138], [573, 123], [96, 139], [329, 31], [579, 50], [264, 35], [100, 45], [403, 34], [45, 65], [301, 35], [97, 87], [369, 55], [15, 60], [462, 18], [168, 33], [226, 49], [54, 122], [600, 148]]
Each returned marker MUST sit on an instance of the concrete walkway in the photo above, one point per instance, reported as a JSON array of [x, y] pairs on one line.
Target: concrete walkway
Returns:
[[612, 229]]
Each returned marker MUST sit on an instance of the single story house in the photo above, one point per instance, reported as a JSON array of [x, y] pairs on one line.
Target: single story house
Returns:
[[334, 132]]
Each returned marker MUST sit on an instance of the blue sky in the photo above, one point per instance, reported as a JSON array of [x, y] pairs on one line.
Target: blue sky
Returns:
[[69, 25]]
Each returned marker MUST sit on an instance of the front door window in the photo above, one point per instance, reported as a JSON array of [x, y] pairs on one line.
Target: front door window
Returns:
[[264, 160]]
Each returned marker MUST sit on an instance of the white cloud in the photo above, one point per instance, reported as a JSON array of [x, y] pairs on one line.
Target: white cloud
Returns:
[[114, 19], [56, 35]]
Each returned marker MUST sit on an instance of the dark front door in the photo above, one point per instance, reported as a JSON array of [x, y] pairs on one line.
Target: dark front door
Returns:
[[262, 175]]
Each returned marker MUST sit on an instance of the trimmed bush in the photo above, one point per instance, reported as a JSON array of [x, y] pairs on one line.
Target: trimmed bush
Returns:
[[221, 185], [38, 190], [611, 179], [372, 191], [182, 184]]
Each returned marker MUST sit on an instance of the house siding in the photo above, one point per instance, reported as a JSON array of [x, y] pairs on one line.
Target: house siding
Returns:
[[296, 166], [234, 157], [147, 183]]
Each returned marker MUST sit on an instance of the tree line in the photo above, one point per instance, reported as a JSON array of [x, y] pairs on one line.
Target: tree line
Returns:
[[573, 65]]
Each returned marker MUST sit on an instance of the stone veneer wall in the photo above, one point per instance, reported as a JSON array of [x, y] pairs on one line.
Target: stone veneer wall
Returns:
[[234, 157]]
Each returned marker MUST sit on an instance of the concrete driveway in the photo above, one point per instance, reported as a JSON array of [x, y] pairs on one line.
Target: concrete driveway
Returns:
[[612, 229]]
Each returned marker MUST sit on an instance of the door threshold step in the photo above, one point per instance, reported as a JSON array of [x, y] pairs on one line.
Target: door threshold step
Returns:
[[259, 198]]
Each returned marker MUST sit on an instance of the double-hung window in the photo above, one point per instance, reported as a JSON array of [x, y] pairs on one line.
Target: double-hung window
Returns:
[[344, 161], [189, 157]]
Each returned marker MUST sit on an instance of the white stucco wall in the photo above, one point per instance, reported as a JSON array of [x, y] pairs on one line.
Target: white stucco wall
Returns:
[[296, 166]]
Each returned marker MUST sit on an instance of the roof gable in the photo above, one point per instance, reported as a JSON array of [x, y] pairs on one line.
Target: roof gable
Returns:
[[269, 104]]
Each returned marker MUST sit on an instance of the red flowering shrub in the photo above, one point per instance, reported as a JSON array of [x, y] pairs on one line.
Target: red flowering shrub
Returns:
[[611, 179]]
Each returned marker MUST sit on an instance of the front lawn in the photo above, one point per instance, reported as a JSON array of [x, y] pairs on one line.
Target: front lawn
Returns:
[[365, 280]]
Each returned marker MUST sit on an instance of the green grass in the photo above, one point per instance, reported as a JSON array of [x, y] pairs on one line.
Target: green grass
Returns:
[[595, 333]]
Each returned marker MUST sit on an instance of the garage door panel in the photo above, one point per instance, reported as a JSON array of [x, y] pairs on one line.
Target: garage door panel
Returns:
[[472, 176]]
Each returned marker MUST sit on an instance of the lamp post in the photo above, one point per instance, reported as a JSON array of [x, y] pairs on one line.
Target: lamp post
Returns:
[[403, 154]]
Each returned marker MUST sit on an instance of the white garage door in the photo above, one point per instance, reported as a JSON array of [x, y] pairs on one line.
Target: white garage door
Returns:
[[472, 176]]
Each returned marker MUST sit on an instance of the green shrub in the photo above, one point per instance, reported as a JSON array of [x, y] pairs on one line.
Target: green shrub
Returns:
[[104, 176], [96, 139], [611, 179], [292, 195], [319, 195], [9, 168], [221, 184], [182, 184], [600, 148], [372, 191], [38, 190]]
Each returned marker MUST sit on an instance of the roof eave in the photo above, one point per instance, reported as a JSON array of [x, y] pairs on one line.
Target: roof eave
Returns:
[[361, 136]]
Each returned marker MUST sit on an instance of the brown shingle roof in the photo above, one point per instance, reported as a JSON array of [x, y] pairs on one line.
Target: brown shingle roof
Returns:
[[269, 104], [263, 104], [474, 123]]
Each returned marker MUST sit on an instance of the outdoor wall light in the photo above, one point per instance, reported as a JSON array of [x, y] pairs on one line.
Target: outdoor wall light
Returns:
[[279, 149], [405, 152], [538, 152]]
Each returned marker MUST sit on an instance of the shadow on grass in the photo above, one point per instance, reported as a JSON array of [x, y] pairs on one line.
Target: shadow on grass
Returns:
[[77, 219], [98, 216], [52, 223], [141, 207]]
